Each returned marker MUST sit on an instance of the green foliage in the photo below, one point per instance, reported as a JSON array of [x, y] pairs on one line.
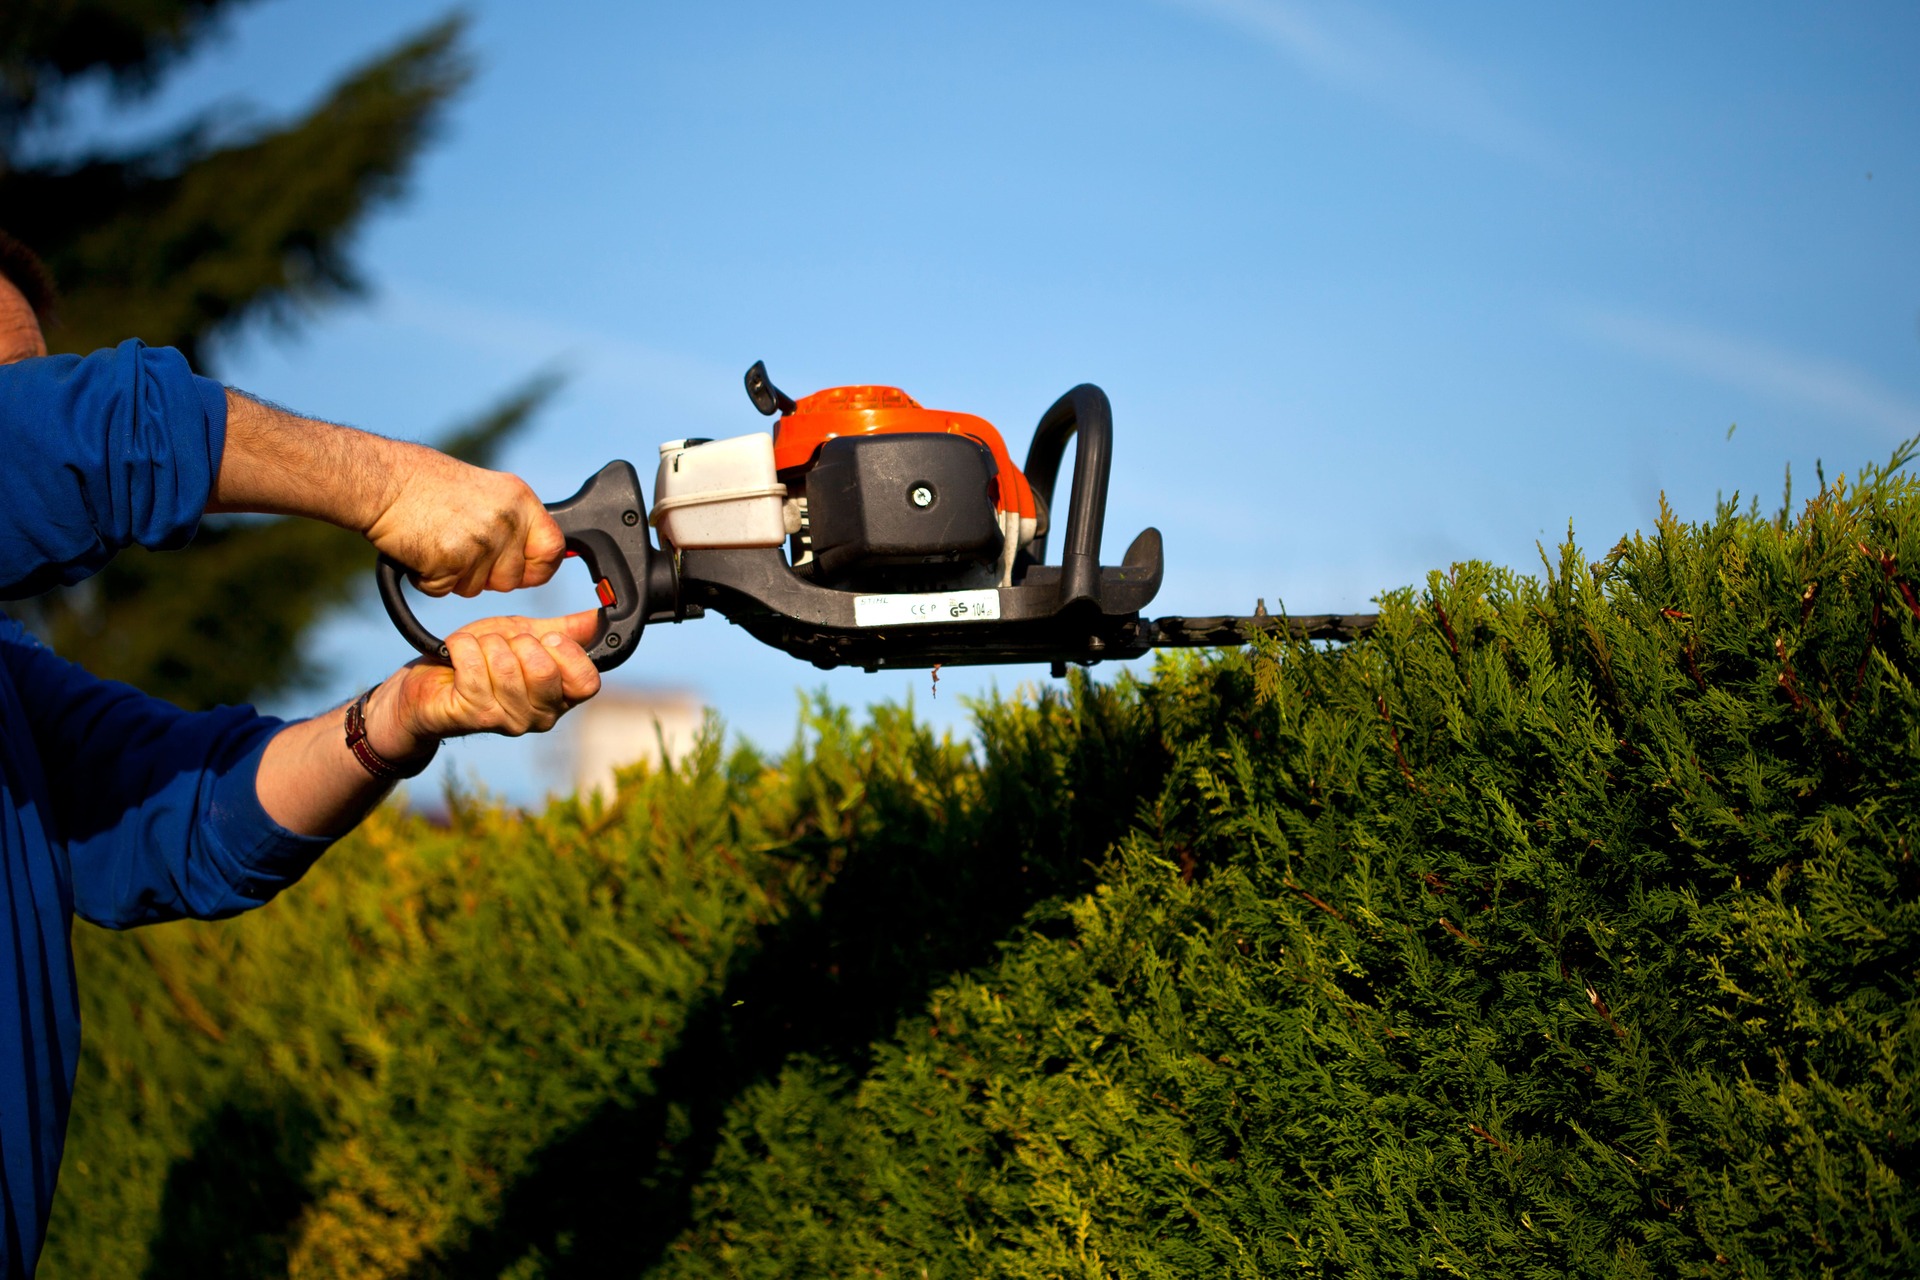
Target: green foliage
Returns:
[[1563, 926], [475, 1045]]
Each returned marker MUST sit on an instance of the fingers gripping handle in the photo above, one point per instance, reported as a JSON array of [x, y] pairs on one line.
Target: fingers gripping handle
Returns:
[[605, 524]]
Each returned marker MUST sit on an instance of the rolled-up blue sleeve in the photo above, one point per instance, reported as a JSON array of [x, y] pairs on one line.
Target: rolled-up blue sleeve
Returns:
[[103, 452], [157, 806]]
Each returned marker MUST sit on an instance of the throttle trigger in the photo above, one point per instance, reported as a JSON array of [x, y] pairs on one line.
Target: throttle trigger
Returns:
[[604, 590]]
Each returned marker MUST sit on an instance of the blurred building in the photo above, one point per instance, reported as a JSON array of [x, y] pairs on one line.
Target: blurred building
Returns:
[[622, 726]]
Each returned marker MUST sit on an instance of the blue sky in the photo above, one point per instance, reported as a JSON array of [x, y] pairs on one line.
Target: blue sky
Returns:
[[1373, 288]]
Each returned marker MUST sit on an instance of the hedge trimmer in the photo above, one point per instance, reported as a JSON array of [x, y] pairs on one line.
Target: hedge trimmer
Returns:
[[867, 531]]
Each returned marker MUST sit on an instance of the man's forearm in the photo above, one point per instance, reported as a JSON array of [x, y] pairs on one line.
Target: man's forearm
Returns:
[[280, 463], [311, 784], [509, 675], [458, 527]]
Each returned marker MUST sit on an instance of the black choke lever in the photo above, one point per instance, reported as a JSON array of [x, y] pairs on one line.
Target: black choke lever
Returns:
[[766, 397]]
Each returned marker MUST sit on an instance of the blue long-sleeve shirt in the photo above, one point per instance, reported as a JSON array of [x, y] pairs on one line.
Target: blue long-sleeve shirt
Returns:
[[115, 806]]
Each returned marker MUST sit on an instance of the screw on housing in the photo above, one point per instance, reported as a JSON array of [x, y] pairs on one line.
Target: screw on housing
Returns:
[[922, 496]]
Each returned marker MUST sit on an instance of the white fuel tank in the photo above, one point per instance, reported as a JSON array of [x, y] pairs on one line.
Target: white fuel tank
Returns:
[[719, 493]]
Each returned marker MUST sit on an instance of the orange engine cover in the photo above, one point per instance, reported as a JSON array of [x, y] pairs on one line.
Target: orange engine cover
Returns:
[[854, 411]]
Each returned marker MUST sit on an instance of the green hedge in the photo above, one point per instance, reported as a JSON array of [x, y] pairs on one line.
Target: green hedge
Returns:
[[1565, 926]]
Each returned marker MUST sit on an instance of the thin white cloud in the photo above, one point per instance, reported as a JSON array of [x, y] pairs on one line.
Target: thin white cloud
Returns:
[[595, 360], [1830, 386], [1367, 54]]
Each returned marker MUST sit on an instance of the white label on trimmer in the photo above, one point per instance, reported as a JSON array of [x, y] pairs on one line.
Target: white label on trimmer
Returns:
[[936, 606]]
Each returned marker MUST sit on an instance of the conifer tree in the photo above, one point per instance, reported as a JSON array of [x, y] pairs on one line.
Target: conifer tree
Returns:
[[1565, 925], [190, 240]]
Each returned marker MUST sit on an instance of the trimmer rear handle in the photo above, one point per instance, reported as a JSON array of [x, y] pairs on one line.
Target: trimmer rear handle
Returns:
[[605, 524]]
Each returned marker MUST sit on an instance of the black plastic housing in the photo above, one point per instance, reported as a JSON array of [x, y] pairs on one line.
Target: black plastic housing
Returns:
[[906, 508]]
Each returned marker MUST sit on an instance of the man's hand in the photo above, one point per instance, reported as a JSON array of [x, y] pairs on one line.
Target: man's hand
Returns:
[[509, 675], [458, 527], [462, 528]]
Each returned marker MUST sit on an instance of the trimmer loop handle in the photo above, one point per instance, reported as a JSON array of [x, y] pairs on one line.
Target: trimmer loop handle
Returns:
[[605, 524]]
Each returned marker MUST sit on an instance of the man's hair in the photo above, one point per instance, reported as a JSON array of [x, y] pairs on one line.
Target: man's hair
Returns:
[[24, 270]]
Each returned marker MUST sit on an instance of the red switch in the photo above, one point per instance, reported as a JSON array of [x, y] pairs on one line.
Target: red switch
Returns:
[[605, 589]]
